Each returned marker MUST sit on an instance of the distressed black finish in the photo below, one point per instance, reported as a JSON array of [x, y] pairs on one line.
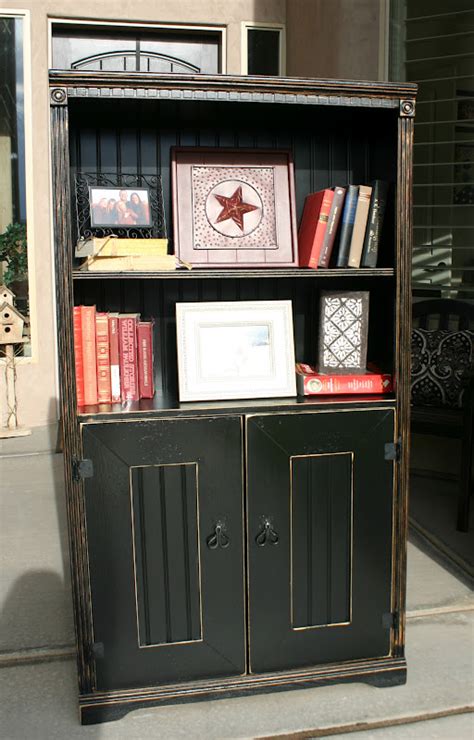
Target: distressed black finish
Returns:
[[164, 605], [349, 566], [338, 131]]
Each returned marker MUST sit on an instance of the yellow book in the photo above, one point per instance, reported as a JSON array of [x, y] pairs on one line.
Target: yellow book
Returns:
[[112, 246], [130, 263]]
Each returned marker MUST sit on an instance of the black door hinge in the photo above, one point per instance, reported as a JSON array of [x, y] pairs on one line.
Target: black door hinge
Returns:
[[82, 469], [393, 450], [390, 620]]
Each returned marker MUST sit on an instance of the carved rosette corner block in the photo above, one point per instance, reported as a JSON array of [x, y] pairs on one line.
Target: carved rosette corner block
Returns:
[[58, 96], [407, 108]]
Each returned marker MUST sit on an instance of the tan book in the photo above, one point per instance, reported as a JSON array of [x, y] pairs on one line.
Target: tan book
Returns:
[[360, 224], [132, 263], [112, 246]]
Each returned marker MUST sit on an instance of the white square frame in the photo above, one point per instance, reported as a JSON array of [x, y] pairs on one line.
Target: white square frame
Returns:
[[191, 318]]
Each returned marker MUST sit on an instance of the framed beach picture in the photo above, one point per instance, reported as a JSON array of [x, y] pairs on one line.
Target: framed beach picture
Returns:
[[234, 207], [235, 349]]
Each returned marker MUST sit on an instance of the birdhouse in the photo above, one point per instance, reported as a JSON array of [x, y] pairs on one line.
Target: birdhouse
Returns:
[[6, 295], [11, 324]]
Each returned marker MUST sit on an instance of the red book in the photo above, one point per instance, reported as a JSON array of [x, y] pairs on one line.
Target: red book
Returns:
[[78, 356], [311, 383], [331, 230], [104, 394], [313, 227], [89, 355], [145, 359], [128, 356], [114, 357]]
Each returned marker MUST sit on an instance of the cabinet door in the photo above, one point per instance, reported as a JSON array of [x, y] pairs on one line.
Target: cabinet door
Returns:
[[165, 536], [320, 537]]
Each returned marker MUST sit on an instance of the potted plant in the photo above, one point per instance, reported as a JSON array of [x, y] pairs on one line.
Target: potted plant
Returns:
[[14, 257]]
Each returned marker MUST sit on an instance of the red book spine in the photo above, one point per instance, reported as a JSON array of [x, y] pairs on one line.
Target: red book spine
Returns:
[[128, 357], [145, 359], [310, 383], [89, 355], [78, 356], [114, 358], [313, 227], [103, 358]]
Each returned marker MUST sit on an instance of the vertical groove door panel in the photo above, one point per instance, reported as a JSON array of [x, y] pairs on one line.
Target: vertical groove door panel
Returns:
[[320, 512], [167, 598]]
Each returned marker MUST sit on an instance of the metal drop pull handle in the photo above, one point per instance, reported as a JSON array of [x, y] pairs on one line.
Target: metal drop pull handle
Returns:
[[218, 538], [267, 535]]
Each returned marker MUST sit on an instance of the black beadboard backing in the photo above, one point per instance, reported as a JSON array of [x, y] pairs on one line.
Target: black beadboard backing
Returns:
[[321, 501], [157, 299], [166, 553], [330, 146]]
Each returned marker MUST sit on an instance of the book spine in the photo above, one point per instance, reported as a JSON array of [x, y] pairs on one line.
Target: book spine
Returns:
[[114, 359], [145, 359], [378, 203], [89, 355], [315, 385], [104, 394], [128, 358], [347, 224], [360, 223], [78, 361], [321, 228], [333, 222]]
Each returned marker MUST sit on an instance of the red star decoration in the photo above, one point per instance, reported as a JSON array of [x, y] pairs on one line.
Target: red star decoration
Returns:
[[234, 208]]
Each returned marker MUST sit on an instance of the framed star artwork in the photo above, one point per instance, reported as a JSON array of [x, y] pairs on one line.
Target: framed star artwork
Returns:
[[234, 207]]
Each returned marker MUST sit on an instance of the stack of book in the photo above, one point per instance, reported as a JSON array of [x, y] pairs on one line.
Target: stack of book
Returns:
[[342, 226], [113, 356], [113, 254]]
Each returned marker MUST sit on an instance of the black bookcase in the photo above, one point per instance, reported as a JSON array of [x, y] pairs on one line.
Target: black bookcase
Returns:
[[237, 546]]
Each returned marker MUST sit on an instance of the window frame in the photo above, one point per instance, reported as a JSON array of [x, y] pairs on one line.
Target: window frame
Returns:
[[245, 26], [189, 27], [25, 15]]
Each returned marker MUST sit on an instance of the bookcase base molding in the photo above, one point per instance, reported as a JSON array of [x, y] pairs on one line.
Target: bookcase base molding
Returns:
[[109, 706], [226, 548]]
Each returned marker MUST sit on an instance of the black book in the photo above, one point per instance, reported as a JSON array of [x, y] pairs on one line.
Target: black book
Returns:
[[347, 225], [378, 203]]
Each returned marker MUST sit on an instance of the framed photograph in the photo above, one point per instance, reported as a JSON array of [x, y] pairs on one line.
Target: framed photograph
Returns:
[[119, 206], [343, 331], [235, 349], [234, 207]]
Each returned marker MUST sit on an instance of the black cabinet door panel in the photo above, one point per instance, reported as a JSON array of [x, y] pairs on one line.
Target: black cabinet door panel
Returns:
[[164, 515], [320, 503]]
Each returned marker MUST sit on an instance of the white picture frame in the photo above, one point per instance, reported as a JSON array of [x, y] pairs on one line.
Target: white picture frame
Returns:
[[235, 350]]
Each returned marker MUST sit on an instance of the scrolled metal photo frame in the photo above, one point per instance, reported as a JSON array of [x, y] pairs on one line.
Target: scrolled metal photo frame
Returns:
[[84, 182]]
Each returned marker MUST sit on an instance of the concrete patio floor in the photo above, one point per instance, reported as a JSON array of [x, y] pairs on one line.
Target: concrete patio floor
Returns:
[[39, 701]]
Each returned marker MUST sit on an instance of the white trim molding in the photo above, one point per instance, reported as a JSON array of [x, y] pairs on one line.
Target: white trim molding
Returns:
[[261, 26]]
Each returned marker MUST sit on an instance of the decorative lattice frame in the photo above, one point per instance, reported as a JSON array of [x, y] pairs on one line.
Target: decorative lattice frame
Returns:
[[84, 180]]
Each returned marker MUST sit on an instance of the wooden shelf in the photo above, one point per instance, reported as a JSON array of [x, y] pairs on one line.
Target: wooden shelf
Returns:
[[235, 273], [167, 406]]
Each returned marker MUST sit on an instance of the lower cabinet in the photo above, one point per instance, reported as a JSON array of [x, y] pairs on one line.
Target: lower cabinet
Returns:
[[171, 596], [164, 513], [320, 537]]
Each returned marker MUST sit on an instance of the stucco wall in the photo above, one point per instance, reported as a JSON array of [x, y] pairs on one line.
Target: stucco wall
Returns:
[[337, 39]]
